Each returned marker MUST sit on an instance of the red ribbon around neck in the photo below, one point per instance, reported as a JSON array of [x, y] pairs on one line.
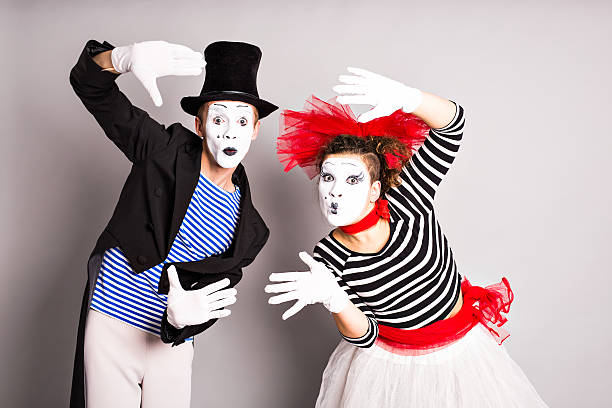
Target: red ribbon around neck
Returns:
[[380, 210]]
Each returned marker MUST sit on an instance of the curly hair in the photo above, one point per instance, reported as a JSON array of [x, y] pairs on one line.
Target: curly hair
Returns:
[[372, 150]]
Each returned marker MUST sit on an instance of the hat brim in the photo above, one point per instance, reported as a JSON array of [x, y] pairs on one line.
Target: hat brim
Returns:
[[191, 104]]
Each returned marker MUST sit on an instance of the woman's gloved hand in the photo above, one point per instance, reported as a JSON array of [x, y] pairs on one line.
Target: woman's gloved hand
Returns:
[[190, 307], [150, 60], [386, 95], [315, 286]]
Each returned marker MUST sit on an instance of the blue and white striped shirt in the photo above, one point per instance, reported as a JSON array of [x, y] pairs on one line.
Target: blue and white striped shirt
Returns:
[[207, 229]]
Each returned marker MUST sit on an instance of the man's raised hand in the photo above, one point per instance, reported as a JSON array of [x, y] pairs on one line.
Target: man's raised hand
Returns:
[[190, 307], [150, 60]]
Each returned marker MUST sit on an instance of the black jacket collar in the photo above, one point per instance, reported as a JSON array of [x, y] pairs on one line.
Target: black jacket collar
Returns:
[[188, 166]]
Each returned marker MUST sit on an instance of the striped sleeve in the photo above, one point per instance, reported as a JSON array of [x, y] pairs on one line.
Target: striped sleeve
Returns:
[[368, 339], [430, 163], [334, 257]]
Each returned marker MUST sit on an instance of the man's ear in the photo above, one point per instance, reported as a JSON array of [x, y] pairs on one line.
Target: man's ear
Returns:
[[375, 191], [255, 130], [198, 125]]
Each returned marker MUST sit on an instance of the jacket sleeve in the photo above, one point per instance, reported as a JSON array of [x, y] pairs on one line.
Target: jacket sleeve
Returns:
[[130, 128], [170, 334]]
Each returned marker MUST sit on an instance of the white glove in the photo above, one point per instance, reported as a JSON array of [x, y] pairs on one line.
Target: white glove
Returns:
[[197, 306], [316, 286], [150, 60], [386, 95]]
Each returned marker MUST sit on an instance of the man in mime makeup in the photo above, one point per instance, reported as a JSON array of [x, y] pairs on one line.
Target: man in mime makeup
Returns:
[[164, 268]]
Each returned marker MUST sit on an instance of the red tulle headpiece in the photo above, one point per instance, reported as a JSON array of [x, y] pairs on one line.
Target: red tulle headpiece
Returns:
[[304, 134]]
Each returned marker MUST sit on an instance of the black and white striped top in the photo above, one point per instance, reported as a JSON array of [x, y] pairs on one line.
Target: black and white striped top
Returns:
[[413, 280]]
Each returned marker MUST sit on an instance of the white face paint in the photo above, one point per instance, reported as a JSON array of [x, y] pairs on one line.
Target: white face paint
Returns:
[[229, 131], [344, 190]]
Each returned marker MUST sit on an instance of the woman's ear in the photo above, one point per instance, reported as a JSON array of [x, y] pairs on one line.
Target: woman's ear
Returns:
[[375, 191]]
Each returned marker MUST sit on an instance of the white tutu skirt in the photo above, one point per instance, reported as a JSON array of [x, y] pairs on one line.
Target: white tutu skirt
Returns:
[[472, 372]]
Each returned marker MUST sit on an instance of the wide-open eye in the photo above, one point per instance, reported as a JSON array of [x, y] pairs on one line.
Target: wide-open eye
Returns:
[[352, 180], [217, 120], [327, 177], [243, 121]]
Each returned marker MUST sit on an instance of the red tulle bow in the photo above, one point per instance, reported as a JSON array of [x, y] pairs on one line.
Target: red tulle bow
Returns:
[[492, 301], [382, 208], [394, 160], [480, 305], [304, 134]]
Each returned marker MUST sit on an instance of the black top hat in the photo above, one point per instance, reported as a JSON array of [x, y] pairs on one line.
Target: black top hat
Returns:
[[231, 74]]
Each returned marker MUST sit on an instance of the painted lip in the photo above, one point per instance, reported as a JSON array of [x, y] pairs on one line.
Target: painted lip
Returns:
[[230, 151], [333, 208]]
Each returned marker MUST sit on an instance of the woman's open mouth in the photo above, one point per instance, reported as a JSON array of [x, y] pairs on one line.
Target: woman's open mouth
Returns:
[[230, 151]]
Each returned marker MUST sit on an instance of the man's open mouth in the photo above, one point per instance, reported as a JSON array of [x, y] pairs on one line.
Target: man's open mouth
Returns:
[[230, 151]]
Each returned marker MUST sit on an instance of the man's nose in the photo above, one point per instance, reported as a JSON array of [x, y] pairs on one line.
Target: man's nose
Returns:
[[228, 132]]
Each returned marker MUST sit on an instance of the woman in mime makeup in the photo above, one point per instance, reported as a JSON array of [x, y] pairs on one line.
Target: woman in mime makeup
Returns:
[[415, 332]]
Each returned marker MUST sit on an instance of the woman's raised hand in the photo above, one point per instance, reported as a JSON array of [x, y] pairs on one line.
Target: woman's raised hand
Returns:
[[386, 95], [315, 286]]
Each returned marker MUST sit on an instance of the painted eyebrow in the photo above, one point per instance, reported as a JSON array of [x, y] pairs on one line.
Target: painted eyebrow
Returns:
[[333, 164], [219, 104]]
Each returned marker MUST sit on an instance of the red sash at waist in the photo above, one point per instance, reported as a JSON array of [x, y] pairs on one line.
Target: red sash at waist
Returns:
[[480, 305]]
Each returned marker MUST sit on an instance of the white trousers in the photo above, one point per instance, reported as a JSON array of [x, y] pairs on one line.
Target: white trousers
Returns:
[[126, 367]]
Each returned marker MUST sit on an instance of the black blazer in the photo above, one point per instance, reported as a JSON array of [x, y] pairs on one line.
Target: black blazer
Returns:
[[154, 200]]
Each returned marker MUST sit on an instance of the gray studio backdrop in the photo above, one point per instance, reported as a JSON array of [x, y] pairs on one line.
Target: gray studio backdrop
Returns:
[[528, 197]]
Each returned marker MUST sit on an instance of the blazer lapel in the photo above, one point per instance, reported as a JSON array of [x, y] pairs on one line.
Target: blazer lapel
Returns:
[[245, 232], [243, 236], [188, 163]]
